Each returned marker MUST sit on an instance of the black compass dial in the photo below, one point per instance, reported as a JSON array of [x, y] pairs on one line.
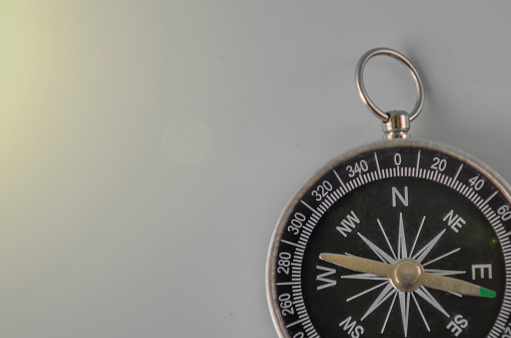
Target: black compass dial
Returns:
[[401, 239]]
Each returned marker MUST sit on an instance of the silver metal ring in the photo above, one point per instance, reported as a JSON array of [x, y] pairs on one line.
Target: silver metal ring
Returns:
[[362, 90]]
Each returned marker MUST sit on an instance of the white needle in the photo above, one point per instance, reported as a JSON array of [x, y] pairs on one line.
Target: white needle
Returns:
[[407, 275]]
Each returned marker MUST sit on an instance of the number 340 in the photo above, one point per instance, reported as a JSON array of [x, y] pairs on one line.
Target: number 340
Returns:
[[357, 169]]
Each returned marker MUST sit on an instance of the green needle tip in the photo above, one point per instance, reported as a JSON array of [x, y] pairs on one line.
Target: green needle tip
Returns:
[[484, 292]]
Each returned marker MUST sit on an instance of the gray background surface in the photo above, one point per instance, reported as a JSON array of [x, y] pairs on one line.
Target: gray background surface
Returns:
[[147, 148]]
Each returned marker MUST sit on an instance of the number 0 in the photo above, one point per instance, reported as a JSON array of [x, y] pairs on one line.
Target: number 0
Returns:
[[397, 159]]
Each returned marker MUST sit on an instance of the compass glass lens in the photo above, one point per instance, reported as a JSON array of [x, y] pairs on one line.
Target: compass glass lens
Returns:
[[401, 239]]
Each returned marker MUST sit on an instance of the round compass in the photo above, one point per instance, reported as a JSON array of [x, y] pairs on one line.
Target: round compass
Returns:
[[401, 238]]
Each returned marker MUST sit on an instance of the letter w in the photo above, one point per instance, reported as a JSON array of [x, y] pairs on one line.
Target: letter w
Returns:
[[322, 277]]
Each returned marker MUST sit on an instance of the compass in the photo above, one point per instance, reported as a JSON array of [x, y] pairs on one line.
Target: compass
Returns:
[[401, 238]]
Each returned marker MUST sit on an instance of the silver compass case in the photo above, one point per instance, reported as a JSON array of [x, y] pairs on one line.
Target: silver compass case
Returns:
[[401, 238]]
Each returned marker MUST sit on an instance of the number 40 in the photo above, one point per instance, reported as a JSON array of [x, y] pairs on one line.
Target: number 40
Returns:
[[476, 182]]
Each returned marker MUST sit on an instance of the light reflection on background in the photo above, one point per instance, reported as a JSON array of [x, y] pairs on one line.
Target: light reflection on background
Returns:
[[102, 139], [78, 84]]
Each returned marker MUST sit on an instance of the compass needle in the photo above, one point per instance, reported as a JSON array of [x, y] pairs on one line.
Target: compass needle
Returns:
[[358, 264], [396, 239], [459, 286], [408, 275]]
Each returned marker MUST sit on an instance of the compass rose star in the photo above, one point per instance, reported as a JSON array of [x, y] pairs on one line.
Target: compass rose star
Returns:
[[390, 291], [401, 276]]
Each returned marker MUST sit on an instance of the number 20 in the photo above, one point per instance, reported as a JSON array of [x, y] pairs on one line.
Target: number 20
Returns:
[[439, 164]]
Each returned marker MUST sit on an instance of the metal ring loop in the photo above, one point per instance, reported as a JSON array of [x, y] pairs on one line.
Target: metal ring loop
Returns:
[[362, 90]]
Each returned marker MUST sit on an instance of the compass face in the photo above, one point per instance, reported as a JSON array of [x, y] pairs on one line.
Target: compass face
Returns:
[[398, 239]]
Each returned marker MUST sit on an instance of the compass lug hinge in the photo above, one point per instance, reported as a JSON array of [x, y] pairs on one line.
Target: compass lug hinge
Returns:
[[397, 125]]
